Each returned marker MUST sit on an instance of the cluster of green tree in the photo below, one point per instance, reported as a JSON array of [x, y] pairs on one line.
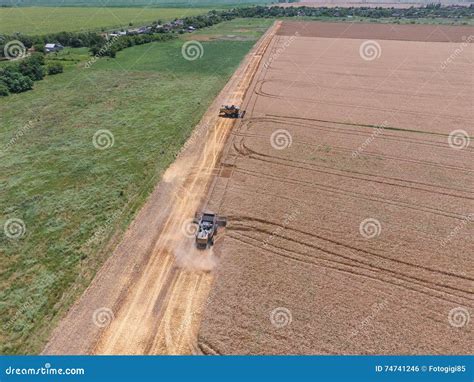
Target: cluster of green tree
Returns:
[[115, 44], [19, 76], [430, 11], [73, 39], [76, 40], [200, 21]]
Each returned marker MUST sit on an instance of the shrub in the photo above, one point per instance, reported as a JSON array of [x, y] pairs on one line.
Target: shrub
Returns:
[[32, 67], [76, 42], [3, 89], [39, 47], [55, 68], [16, 82]]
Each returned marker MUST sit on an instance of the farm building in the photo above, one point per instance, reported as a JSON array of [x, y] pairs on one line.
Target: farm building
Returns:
[[48, 48]]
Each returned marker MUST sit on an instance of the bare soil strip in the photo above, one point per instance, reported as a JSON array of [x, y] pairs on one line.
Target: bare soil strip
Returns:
[[359, 139], [428, 33], [148, 296]]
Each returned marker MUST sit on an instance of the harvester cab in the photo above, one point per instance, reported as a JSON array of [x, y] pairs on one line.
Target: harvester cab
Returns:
[[231, 111], [207, 222]]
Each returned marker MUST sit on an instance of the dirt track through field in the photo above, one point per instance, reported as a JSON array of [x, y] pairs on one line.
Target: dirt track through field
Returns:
[[148, 296]]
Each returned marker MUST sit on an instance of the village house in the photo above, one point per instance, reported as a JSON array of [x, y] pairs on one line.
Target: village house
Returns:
[[52, 47]]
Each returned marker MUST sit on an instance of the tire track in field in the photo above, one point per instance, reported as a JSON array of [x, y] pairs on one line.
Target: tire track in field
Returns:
[[368, 152], [244, 220], [342, 173], [300, 258], [353, 130], [365, 153], [305, 203], [261, 93], [365, 125], [429, 96], [245, 151], [357, 267], [352, 194]]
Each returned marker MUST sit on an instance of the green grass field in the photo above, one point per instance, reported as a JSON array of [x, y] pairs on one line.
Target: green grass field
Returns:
[[74, 199], [43, 20]]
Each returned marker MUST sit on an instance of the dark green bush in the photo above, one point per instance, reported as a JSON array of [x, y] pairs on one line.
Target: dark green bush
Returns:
[[3, 89], [15, 81], [32, 67], [55, 68]]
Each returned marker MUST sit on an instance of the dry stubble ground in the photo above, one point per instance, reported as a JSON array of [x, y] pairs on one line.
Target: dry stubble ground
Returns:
[[296, 274]]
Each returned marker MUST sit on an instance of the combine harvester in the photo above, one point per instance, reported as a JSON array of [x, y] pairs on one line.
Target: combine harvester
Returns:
[[207, 222], [231, 111]]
